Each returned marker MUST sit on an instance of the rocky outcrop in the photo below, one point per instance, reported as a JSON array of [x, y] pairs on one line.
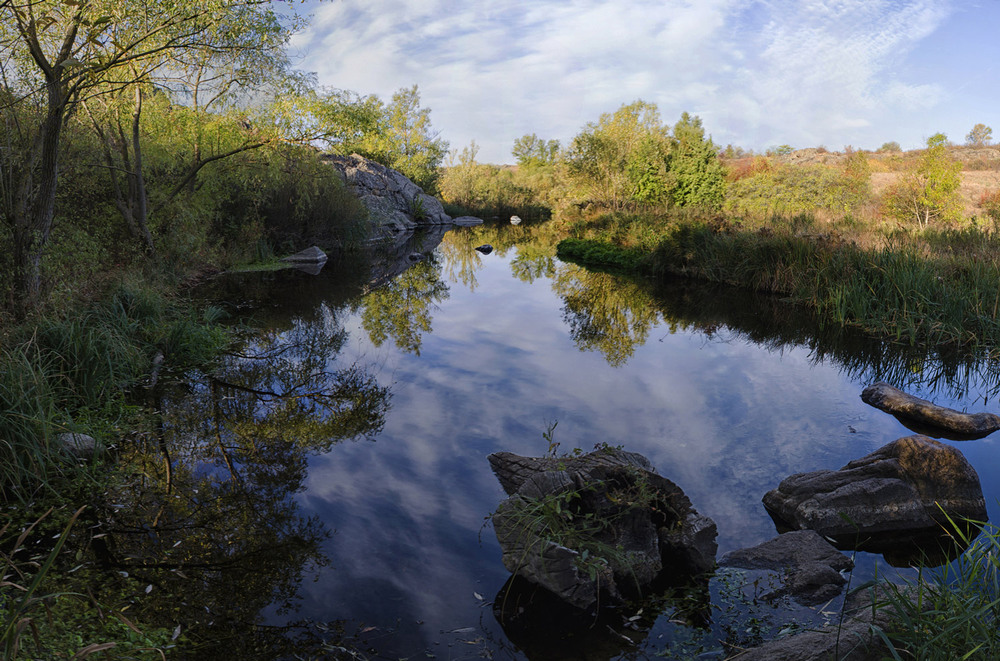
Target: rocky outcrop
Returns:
[[932, 418], [394, 203], [601, 526], [892, 501], [811, 566]]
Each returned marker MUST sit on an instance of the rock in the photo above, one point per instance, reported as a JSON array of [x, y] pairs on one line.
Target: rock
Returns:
[[895, 499], [811, 565], [80, 446], [394, 203], [311, 255], [414, 257], [597, 528], [485, 248], [515, 220], [856, 640], [466, 221], [932, 417]]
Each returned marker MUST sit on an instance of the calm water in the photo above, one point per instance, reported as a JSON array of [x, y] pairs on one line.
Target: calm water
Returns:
[[377, 498]]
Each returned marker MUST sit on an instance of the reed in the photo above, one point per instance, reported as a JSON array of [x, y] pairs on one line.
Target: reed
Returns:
[[940, 289], [952, 612]]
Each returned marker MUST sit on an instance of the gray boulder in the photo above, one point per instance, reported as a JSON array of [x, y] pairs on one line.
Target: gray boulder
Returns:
[[394, 203], [811, 566], [935, 419], [598, 527], [896, 498], [80, 446]]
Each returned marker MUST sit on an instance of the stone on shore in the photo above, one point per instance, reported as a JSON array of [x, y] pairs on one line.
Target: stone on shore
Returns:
[[312, 255]]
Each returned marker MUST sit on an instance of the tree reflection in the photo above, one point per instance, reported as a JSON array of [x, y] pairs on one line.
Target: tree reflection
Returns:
[[605, 313], [401, 309], [207, 516]]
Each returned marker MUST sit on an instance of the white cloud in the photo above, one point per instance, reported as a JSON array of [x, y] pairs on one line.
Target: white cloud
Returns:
[[758, 73]]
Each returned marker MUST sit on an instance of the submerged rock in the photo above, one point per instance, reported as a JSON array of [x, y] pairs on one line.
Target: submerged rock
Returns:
[[895, 500], [601, 526], [856, 638], [811, 565], [932, 417], [485, 248], [466, 221]]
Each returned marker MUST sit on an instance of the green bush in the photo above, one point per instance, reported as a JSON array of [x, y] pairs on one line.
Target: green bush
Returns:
[[790, 190]]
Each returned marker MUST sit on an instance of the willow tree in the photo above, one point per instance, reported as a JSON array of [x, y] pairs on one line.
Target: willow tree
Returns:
[[58, 53], [623, 157]]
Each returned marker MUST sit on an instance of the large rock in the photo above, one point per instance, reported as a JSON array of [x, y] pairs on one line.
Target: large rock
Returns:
[[601, 526], [935, 420], [811, 566], [894, 500], [394, 203]]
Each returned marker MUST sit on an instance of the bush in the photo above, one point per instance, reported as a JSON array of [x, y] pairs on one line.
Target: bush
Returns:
[[790, 190]]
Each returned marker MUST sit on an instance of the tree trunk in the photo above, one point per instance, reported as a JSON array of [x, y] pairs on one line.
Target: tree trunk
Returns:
[[35, 206], [140, 205]]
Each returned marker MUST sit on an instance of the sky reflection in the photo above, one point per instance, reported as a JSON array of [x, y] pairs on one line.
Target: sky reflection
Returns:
[[723, 417]]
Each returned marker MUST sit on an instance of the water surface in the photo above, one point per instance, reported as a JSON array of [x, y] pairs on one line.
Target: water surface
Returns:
[[362, 407]]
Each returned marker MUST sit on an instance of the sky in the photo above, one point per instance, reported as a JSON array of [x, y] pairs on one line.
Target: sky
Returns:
[[805, 73]]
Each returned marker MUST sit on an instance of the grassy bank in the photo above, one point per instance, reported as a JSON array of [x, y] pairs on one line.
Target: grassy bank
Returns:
[[930, 286]]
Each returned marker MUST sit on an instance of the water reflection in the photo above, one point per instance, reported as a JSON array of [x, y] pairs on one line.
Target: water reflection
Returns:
[[210, 514], [402, 308], [726, 392]]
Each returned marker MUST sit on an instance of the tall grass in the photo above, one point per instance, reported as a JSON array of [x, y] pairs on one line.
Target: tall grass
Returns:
[[65, 370], [941, 288], [950, 613]]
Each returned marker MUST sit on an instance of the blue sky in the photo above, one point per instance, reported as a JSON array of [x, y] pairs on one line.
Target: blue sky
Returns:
[[759, 73]]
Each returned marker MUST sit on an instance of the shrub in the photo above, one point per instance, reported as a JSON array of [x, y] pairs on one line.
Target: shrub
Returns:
[[792, 190], [929, 193]]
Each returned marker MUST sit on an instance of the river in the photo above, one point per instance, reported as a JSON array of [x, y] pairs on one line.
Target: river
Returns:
[[328, 492]]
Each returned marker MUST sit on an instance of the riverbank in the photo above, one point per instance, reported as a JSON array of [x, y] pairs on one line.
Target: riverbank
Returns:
[[934, 286]]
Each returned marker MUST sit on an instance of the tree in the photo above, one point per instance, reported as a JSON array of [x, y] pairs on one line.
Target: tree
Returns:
[[58, 53], [892, 146], [531, 151], [979, 136], [404, 140], [698, 176], [929, 192], [621, 155]]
